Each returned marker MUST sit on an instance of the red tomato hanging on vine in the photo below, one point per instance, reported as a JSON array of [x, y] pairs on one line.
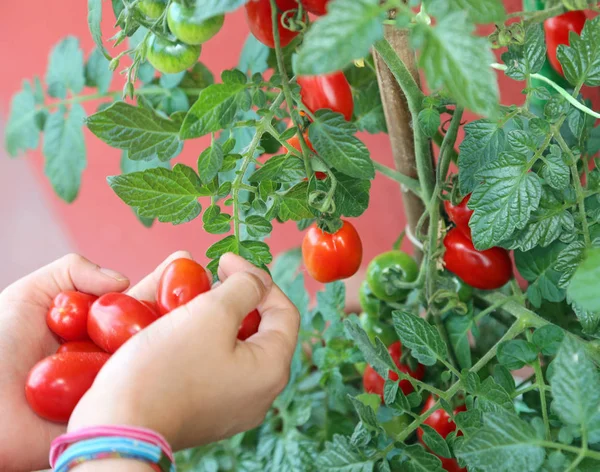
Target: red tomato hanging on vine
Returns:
[[330, 91], [557, 31], [460, 214], [329, 257], [486, 270], [258, 14], [181, 281], [316, 7]]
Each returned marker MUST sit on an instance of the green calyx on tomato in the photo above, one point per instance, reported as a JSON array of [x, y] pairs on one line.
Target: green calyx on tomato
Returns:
[[375, 328], [189, 25], [152, 8], [171, 57], [385, 273]]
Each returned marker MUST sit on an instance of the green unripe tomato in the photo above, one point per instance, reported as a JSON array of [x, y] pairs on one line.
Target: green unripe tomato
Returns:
[[187, 26], [375, 328], [368, 302], [152, 8], [464, 290], [386, 270], [171, 57]]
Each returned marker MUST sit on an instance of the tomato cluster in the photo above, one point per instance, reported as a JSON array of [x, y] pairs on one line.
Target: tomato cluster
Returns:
[[92, 328], [485, 270]]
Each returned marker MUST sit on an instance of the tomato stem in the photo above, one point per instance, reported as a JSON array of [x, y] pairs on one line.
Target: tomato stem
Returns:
[[410, 183]]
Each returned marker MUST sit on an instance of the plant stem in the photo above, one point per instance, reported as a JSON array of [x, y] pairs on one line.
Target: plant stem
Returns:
[[410, 183], [447, 146], [541, 384], [584, 452], [489, 309]]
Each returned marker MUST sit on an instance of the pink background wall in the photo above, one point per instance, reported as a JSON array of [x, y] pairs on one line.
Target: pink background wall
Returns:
[[98, 224]]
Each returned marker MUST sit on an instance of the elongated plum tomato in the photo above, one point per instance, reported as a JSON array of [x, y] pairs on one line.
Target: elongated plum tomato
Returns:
[[486, 270], [460, 214], [190, 26], [258, 14], [557, 31], [440, 421], [181, 281], [330, 257], [316, 7], [115, 317], [295, 142], [249, 325], [331, 91], [78, 346], [67, 316], [56, 384], [374, 383], [171, 57]]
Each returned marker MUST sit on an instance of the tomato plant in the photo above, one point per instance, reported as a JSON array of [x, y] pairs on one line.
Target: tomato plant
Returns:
[[67, 316], [114, 318], [289, 135], [57, 383]]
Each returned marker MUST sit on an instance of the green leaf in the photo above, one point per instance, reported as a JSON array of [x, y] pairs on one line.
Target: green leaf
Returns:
[[97, 72], [526, 59], [368, 110], [346, 33], [294, 203], [435, 442], [351, 195], [491, 396], [420, 337], [505, 442], [504, 200], [585, 282], [458, 328], [420, 460], [94, 23], [484, 140], [169, 195], [257, 226], [575, 384], [455, 58], [556, 171], [377, 355], [341, 455], [22, 132], [210, 162], [590, 320], [581, 59], [333, 139], [216, 222], [64, 150], [215, 108], [227, 244], [65, 68], [365, 414], [143, 133], [256, 252], [282, 169], [504, 378], [537, 267], [479, 11], [568, 261], [429, 121], [254, 56], [547, 339], [516, 353]]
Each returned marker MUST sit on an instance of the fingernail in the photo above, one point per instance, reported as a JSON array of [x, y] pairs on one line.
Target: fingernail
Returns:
[[113, 274]]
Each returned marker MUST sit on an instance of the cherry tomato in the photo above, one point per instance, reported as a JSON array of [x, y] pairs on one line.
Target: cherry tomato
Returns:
[[369, 303], [258, 14], [441, 422], [57, 383], [67, 316], [152, 306], [188, 24], [115, 317], [386, 270], [295, 142], [374, 383], [557, 31], [78, 346], [181, 281], [460, 214], [329, 257], [330, 91], [152, 8], [316, 7], [375, 328], [486, 270], [171, 57], [249, 325]]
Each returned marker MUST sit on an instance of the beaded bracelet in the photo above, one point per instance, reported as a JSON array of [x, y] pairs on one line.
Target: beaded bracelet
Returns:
[[113, 448]]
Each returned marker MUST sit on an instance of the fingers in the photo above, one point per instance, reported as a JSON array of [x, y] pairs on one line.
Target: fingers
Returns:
[[71, 272], [145, 289]]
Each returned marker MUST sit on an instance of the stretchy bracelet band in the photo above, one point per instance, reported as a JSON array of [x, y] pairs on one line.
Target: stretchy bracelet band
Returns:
[[61, 443], [113, 448]]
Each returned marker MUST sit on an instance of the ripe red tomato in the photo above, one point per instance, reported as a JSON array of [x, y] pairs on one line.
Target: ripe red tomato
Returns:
[[67, 317], [115, 317], [316, 7], [182, 281], [330, 91], [57, 383], [258, 14], [374, 383], [486, 270], [460, 214], [295, 142], [78, 346], [152, 306], [557, 31], [330, 257], [440, 421], [249, 325]]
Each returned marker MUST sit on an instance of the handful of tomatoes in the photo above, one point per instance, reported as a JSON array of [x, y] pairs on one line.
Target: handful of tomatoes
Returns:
[[92, 328]]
